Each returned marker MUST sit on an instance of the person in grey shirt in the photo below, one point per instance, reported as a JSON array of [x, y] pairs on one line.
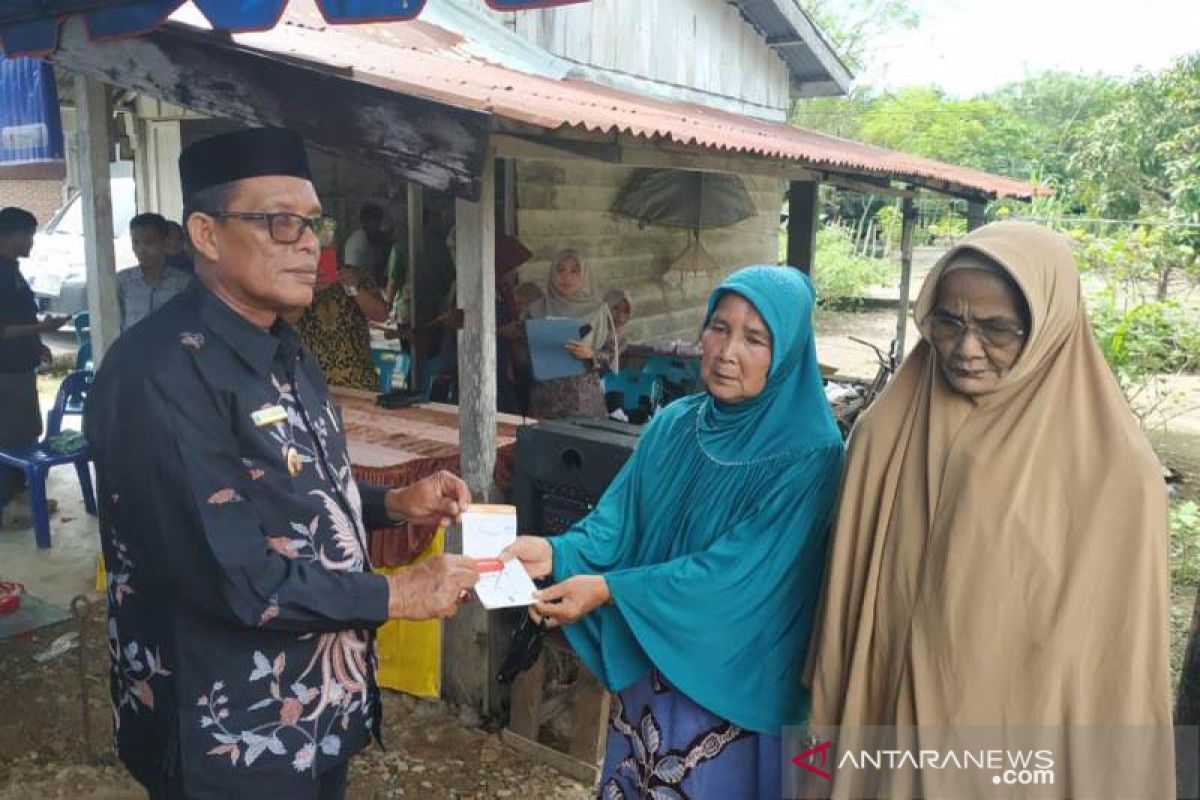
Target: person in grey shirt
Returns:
[[147, 287]]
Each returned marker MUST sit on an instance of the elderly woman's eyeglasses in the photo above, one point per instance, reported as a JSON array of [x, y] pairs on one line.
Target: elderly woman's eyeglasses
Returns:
[[284, 227], [996, 334]]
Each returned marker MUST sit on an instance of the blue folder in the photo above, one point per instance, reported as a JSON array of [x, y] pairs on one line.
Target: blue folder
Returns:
[[548, 347]]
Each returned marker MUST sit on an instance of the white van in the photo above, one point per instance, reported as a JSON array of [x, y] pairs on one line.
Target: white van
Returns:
[[56, 268]]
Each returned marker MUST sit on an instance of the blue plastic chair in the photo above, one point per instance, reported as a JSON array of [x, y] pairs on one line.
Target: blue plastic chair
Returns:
[[389, 362], [638, 390], [36, 460], [680, 371], [82, 322]]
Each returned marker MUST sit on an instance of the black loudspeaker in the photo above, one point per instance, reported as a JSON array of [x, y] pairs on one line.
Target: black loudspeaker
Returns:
[[562, 469]]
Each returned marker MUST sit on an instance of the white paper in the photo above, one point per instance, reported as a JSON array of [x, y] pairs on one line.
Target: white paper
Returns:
[[487, 530], [506, 589]]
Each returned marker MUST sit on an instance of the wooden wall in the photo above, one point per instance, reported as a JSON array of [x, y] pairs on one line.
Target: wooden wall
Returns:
[[704, 45], [566, 204]]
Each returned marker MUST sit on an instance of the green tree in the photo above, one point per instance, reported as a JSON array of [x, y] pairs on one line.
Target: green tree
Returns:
[[1140, 161], [853, 25], [1058, 109], [977, 132]]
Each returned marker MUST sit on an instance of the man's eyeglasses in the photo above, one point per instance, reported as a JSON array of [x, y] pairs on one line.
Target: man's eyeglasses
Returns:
[[284, 227], [992, 333]]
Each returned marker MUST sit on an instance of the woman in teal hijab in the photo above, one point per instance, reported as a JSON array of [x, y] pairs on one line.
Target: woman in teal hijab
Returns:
[[691, 588]]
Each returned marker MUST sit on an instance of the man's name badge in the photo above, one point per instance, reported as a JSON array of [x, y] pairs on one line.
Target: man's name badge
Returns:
[[269, 416]]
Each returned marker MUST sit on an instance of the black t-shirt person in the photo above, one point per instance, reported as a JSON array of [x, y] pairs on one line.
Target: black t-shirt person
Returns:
[[19, 354]]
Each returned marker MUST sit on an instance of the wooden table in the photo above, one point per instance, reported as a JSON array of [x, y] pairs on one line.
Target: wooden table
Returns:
[[398, 447]]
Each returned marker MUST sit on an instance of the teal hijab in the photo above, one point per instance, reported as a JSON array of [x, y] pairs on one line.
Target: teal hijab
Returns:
[[712, 538]]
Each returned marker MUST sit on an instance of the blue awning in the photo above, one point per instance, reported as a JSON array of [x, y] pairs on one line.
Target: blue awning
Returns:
[[31, 137], [30, 27]]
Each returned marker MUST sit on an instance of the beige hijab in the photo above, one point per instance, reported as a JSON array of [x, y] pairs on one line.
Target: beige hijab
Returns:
[[1002, 560], [585, 305]]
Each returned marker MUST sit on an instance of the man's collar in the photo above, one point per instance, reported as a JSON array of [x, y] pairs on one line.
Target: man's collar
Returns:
[[258, 348]]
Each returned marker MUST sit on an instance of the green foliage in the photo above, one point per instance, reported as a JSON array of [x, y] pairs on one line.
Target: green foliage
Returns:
[[1025, 129], [853, 24], [947, 229], [1185, 544], [1142, 156], [1146, 338], [839, 275], [978, 132]]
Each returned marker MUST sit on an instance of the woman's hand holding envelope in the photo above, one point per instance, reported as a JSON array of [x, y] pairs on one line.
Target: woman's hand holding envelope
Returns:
[[534, 553], [568, 602]]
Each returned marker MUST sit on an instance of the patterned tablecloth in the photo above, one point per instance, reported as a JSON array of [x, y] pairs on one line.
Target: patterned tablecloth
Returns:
[[396, 447]]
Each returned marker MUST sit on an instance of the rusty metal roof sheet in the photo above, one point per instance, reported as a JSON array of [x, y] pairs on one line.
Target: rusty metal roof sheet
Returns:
[[422, 59]]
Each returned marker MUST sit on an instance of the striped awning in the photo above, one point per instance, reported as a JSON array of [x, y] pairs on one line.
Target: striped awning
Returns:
[[30, 27]]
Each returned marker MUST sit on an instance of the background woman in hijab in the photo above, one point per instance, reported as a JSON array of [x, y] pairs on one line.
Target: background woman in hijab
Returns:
[[571, 293], [620, 309], [690, 590], [999, 556]]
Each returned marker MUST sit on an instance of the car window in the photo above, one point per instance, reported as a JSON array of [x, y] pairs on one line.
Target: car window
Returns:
[[124, 208]]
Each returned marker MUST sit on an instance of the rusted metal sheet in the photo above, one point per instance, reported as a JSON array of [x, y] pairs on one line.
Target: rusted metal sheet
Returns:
[[424, 60], [428, 142], [415, 97]]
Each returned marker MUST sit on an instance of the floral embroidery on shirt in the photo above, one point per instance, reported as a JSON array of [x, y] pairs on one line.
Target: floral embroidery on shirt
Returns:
[[295, 455], [134, 667], [223, 496], [192, 341], [296, 729], [118, 573]]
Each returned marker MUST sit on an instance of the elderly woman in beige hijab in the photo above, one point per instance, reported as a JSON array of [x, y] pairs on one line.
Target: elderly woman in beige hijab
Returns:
[[999, 555]]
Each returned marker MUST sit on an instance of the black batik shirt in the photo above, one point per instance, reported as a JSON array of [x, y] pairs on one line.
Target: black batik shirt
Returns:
[[241, 606]]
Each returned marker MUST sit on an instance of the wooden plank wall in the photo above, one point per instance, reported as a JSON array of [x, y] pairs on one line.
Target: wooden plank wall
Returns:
[[566, 204], [699, 44]]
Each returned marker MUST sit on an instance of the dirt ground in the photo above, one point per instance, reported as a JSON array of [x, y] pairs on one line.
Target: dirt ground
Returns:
[[432, 753]]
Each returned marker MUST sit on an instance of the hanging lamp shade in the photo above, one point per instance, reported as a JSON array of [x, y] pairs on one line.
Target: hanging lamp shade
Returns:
[[685, 199]]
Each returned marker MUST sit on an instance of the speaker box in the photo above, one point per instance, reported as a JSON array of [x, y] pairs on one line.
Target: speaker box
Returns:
[[563, 467]]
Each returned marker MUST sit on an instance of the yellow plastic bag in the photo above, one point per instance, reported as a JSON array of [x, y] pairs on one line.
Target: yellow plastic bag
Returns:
[[410, 653]]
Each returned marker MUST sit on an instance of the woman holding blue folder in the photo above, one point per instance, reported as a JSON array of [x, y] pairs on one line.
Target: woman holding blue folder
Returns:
[[571, 294]]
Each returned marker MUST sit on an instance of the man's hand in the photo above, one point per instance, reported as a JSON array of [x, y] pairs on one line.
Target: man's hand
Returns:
[[567, 602], [439, 499], [348, 277], [581, 350], [534, 553], [433, 589]]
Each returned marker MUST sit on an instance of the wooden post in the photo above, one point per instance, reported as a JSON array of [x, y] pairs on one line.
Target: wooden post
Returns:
[[510, 197], [802, 224], [467, 657], [94, 142], [415, 206], [476, 268], [909, 216], [975, 214]]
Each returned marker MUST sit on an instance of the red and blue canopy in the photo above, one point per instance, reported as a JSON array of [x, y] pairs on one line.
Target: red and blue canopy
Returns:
[[30, 27]]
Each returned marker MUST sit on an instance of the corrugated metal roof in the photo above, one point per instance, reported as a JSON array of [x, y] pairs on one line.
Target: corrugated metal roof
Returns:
[[427, 61], [814, 63]]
